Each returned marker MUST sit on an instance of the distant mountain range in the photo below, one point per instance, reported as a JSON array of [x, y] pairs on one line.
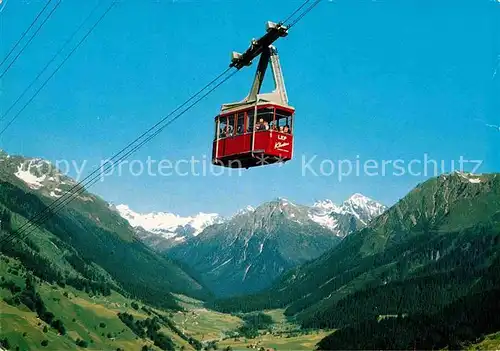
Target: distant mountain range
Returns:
[[247, 252], [351, 215], [163, 230]]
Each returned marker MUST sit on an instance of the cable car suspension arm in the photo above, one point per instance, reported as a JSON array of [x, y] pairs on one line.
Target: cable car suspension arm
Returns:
[[273, 32], [269, 54]]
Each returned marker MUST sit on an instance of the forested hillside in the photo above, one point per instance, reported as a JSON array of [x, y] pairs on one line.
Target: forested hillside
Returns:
[[456, 326], [435, 246]]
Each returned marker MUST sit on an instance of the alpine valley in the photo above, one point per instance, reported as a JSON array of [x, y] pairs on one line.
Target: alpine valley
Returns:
[[423, 273]]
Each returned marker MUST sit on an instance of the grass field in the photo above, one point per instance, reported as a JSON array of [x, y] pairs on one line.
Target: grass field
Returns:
[[281, 322], [201, 323], [301, 342], [490, 342], [93, 319], [24, 329], [209, 325]]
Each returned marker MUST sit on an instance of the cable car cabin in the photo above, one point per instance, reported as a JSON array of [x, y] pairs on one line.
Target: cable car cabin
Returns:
[[258, 130], [254, 136]]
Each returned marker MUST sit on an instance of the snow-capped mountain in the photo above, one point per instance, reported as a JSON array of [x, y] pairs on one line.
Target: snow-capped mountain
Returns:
[[364, 208], [162, 229], [247, 252], [321, 212], [343, 219]]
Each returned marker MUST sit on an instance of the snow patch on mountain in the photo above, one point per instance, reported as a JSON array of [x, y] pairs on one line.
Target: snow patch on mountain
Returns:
[[38, 174], [243, 211], [470, 177], [57, 193], [24, 173], [324, 220], [321, 211], [326, 206]]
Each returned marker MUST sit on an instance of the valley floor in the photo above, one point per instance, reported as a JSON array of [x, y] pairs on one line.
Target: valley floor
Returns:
[[94, 321], [210, 325], [301, 342]]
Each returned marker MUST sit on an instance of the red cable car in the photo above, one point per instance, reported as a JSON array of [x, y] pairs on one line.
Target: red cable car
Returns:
[[258, 130]]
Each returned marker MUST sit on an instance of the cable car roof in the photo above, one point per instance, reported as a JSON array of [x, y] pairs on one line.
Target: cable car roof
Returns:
[[263, 99]]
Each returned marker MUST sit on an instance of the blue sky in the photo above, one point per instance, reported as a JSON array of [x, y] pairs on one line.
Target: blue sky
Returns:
[[370, 80]]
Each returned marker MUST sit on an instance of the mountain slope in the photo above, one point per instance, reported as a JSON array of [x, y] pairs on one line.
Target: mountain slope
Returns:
[[455, 326], [447, 230], [248, 252], [64, 318], [87, 235]]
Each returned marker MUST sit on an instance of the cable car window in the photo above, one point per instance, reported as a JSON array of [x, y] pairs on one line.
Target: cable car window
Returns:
[[250, 121], [222, 127], [216, 129], [232, 125], [264, 119], [240, 123], [284, 121]]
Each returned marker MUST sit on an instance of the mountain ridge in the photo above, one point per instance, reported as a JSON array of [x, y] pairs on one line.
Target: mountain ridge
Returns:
[[163, 230], [254, 247]]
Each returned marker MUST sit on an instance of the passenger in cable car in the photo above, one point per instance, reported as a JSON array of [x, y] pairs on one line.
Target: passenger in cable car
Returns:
[[286, 129], [262, 125], [259, 125], [281, 129]]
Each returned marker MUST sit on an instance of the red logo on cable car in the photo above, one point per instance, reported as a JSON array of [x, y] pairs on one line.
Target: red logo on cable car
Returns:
[[279, 145]]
